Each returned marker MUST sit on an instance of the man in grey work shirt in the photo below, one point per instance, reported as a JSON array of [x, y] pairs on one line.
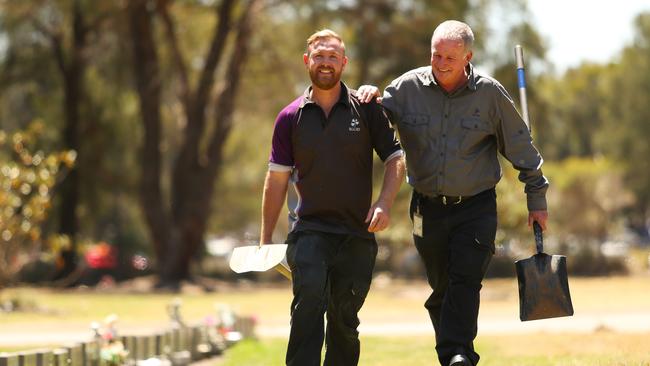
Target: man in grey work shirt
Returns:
[[452, 121]]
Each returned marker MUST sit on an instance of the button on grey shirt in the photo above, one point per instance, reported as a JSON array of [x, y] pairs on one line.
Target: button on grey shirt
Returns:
[[451, 140]]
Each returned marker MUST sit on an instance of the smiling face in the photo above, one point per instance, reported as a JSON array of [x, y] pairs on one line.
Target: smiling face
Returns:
[[449, 59], [325, 61]]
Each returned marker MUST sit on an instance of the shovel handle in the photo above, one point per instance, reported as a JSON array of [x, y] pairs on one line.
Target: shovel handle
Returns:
[[521, 81], [539, 237]]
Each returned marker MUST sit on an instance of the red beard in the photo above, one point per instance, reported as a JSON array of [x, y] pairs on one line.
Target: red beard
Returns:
[[325, 81]]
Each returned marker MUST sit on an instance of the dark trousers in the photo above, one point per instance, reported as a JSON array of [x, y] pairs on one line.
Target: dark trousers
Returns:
[[331, 273], [456, 248]]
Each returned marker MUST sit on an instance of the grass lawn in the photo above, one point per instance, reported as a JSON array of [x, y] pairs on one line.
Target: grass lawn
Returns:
[[400, 300], [388, 302], [597, 349]]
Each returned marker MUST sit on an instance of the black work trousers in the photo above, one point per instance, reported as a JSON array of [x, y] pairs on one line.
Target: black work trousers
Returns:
[[456, 247], [331, 274]]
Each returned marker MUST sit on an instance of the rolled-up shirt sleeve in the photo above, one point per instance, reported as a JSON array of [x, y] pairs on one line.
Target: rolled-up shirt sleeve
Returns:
[[516, 144]]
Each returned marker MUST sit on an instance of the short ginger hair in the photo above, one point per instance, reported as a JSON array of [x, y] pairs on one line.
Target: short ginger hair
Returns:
[[322, 35]]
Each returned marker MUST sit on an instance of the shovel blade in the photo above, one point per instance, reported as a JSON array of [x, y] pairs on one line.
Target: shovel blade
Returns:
[[543, 287], [260, 259]]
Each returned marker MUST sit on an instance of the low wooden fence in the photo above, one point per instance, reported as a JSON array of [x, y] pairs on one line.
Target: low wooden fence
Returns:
[[179, 346]]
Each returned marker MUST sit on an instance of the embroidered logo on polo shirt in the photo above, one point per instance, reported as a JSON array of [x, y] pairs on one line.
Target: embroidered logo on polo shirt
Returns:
[[354, 125]]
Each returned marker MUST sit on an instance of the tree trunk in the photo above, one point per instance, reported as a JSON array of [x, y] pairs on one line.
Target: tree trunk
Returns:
[[72, 73], [147, 80], [195, 175], [178, 234]]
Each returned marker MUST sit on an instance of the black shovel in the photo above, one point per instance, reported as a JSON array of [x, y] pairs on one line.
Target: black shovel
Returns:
[[543, 284]]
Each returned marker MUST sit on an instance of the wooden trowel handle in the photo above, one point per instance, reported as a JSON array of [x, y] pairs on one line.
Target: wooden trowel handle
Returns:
[[539, 238]]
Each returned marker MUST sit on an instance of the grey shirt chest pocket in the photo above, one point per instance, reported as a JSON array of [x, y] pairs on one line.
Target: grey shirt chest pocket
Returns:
[[415, 131], [475, 124], [474, 134]]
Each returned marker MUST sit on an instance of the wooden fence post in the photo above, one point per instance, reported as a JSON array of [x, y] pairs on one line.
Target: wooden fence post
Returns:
[[185, 339], [168, 343], [89, 353], [35, 358], [180, 344], [140, 343], [60, 357], [130, 345], [26, 359], [159, 344], [195, 340], [75, 355], [146, 347], [246, 326], [8, 359]]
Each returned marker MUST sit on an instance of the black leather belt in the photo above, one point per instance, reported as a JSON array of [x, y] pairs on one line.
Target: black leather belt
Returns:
[[447, 200], [452, 200]]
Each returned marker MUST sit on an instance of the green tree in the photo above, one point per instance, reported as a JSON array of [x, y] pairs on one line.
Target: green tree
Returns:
[[177, 231], [625, 132], [173, 115], [28, 177], [56, 34], [383, 39], [575, 111], [505, 67], [590, 112], [386, 38]]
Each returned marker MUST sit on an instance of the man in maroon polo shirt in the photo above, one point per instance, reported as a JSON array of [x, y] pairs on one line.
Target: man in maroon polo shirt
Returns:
[[325, 140]]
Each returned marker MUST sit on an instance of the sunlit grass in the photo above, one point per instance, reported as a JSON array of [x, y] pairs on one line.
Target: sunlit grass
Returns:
[[538, 349], [387, 302], [86, 306]]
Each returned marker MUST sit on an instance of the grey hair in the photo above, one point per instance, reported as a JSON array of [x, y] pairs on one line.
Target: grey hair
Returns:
[[455, 31]]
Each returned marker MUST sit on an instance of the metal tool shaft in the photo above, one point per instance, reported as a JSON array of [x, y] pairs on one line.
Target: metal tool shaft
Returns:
[[521, 81]]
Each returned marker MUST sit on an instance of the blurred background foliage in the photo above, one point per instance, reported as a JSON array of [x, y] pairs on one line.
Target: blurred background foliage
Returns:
[[70, 66], [28, 177]]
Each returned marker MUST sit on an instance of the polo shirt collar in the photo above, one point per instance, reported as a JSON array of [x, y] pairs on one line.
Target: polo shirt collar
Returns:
[[427, 79], [343, 98]]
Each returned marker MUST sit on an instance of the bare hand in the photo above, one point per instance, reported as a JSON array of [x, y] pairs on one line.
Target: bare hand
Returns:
[[366, 93], [539, 216], [379, 218]]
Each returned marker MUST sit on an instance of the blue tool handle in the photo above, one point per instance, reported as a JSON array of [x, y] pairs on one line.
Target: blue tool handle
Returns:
[[521, 78], [539, 237]]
